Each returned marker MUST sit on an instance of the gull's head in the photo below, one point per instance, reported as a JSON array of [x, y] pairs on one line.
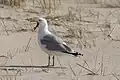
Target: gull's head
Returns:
[[42, 22]]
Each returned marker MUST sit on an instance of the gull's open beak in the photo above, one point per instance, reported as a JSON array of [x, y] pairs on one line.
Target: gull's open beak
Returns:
[[36, 26], [34, 20]]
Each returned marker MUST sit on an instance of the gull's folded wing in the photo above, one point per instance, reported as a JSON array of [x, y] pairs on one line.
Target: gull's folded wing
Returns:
[[52, 43]]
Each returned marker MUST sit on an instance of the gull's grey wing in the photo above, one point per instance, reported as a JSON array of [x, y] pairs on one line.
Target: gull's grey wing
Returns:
[[54, 44]]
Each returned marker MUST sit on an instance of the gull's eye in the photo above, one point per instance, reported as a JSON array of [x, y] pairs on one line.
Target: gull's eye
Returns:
[[40, 20]]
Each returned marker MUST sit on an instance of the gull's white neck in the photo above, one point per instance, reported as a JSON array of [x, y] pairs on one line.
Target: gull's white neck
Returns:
[[43, 30]]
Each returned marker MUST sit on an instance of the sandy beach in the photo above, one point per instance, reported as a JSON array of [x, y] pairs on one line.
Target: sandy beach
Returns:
[[88, 27]]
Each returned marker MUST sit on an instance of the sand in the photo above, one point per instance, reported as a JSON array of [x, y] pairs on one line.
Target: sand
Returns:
[[99, 41]]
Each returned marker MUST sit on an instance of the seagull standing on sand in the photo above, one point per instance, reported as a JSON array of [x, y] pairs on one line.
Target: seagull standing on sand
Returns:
[[50, 43]]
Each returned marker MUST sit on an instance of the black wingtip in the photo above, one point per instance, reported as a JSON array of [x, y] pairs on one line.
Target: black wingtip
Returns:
[[76, 54]]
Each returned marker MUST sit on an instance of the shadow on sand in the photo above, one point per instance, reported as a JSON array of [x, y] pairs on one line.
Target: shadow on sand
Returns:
[[20, 66]]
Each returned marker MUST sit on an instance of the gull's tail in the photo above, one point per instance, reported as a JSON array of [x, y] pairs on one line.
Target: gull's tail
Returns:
[[70, 51]]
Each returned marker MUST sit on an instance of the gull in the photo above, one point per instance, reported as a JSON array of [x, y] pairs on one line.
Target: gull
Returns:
[[50, 43]]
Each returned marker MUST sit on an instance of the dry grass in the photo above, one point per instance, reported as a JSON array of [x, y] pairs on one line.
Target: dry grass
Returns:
[[70, 23], [77, 32], [48, 5], [12, 2]]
